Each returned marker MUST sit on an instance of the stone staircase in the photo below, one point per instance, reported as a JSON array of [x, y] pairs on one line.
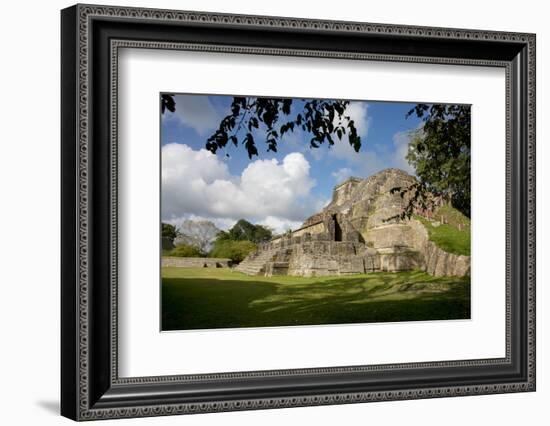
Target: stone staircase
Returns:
[[255, 263]]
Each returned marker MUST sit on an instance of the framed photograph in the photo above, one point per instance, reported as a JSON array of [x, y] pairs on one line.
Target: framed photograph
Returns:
[[263, 212]]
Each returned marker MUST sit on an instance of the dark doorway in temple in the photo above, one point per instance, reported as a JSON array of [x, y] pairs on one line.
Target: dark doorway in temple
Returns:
[[337, 229]]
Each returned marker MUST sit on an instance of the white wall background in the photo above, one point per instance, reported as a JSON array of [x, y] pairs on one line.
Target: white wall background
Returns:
[[29, 212]]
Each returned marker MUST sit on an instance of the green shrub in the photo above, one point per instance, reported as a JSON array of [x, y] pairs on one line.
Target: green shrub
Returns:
[[234, 250], [448, 238], [169, 231], [186, 250]]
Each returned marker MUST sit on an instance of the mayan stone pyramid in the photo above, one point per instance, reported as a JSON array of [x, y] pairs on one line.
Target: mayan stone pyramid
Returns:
[[358, 232]]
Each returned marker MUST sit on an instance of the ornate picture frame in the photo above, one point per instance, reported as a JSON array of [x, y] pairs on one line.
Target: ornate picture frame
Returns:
[[91, 37]]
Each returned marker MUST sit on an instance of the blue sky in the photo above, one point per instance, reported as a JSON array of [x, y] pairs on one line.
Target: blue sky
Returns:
[[280, 189]]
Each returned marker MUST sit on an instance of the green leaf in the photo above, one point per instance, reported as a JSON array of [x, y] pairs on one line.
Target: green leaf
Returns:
[[250, 145], [286, 106]]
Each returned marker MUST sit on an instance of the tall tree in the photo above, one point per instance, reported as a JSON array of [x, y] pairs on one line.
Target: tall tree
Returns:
[[440, 154], [197, 233], [246, 231], [169, 232]]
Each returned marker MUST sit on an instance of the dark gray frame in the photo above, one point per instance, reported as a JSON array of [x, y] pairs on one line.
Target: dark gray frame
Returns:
[[91, 38]]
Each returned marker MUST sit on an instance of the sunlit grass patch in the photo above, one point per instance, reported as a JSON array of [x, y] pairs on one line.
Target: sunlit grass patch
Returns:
[[202, 298], [448, 237]]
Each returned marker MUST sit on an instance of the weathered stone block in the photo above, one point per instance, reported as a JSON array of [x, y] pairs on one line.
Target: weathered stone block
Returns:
[[390, 235], [195, 262], [352, 265]]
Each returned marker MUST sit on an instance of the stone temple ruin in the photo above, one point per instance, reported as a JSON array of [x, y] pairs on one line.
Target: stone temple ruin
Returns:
[[353, 235]]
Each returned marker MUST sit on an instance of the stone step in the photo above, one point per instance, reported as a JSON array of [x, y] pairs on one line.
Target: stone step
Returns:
[[254, 264]]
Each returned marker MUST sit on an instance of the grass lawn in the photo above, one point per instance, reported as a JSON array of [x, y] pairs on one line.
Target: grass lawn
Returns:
[[202, 298]]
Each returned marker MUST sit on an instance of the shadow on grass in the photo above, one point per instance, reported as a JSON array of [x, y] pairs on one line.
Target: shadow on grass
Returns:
[[204, 303], [210, 303]]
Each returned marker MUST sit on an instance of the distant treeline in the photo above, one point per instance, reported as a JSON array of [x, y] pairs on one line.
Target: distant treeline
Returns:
[[201, 238]]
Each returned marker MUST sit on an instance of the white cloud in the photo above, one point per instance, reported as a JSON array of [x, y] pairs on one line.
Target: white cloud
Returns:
[[367, 161], [401, 147], [220, 223], [198, 183], [197, 112], [293, 139], [362, 163], [342, 174], [278, 225], [179, 162], [298, 141], [358, 112]]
